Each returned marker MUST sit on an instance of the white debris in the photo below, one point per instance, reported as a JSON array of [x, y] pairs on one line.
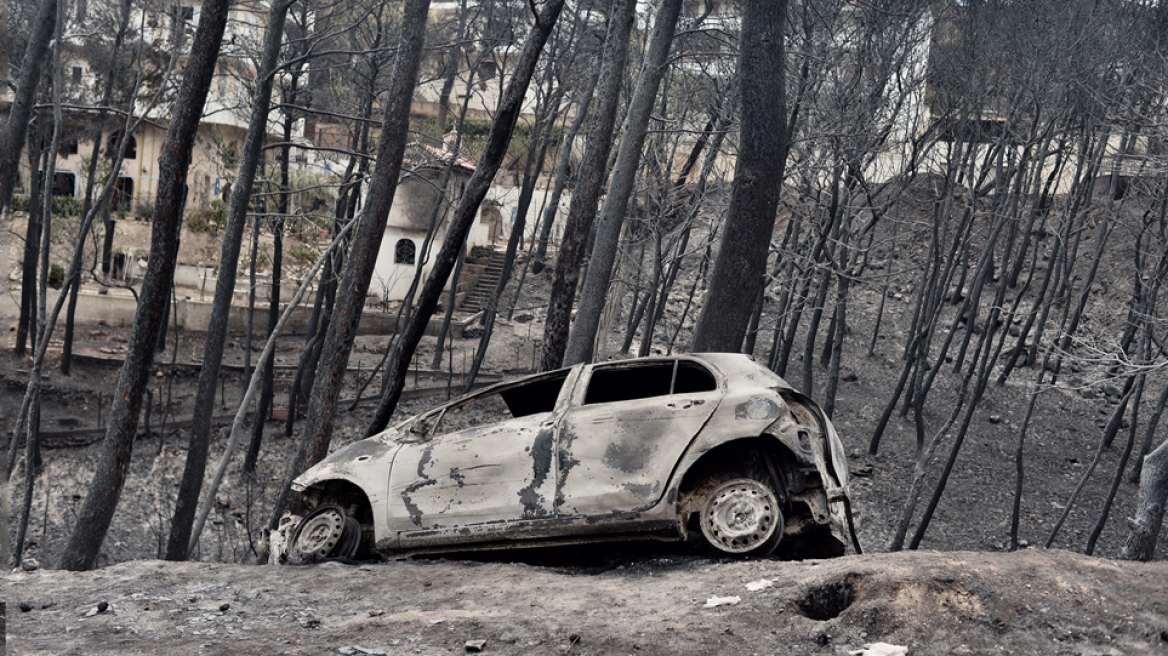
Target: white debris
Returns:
[[714, 602], [761, 584], [881, 649]]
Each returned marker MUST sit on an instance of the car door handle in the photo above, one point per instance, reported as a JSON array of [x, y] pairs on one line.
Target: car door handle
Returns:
[[682, 405], [603, 419]]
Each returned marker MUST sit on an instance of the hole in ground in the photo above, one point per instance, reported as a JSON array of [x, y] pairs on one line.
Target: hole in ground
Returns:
[[825, 602]]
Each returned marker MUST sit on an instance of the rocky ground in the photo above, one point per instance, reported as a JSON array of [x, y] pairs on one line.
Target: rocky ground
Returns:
[[1028, 602]]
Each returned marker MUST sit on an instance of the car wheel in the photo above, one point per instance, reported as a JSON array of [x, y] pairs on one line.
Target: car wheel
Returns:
[[325, 534], [742, 517]]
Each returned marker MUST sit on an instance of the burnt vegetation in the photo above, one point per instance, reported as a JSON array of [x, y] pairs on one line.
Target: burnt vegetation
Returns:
[[946, 222]]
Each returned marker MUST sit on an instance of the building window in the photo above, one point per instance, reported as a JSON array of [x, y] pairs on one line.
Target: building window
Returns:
[[123, 194], [404, 252], [112, 146], [64, 184], [75, 78]]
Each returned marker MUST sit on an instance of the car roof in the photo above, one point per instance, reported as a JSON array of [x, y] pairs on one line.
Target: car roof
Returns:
[[743, 370], [739, 370]]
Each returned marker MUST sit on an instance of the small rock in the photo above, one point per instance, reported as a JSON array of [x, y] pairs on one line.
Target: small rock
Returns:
[[574, 638], [761, 584], [376, 613], [223, 608], [714, 602], [25, 606], [102, 606], [1087, 393], [995, 419], [863, 472], [1111, 389], [475, 645], [944, 578], [30, 565], [850, 378]]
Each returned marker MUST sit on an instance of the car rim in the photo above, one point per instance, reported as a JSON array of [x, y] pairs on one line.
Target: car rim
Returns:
[[319, 533], [740, 516]]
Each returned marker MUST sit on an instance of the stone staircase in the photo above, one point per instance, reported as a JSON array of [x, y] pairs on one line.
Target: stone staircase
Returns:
[[485, 266]]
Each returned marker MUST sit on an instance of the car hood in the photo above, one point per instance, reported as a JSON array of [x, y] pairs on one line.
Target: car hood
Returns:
[[349, 461]]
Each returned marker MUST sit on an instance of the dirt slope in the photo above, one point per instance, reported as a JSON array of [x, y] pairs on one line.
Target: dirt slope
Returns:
[[1029, 602]]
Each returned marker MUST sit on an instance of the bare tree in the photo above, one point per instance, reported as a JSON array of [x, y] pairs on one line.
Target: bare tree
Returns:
[[354, 284], [476, 190], [620, 189], [84, 544], [590, 181], [754, 197], [200, 432], [20, 113]]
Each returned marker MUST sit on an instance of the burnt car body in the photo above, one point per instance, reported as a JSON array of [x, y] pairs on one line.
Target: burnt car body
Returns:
[[711, 445]]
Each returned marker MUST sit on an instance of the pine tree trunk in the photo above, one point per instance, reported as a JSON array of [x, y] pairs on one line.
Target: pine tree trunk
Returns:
[[358, 272], [84, 544], [586, 194], [20, 112], [562, 168], [198, 444], [32, 246], [758, 176], [1149, 517], [620, 188], [460, 223]]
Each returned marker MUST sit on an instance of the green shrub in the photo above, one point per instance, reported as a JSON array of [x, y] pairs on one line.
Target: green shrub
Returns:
[[65, 206], [208, 220], [145, 211], [56, 276]]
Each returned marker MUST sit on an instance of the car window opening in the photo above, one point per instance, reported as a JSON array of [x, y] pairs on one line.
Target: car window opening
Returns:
[[534, 397], [523, 400], [692, 378], [625, 383]]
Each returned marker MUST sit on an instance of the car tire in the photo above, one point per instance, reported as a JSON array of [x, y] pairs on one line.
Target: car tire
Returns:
[[325, 534], [742, 517]]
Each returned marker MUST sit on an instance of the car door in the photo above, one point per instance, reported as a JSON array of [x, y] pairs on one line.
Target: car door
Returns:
[[628, 425], [487, 460]]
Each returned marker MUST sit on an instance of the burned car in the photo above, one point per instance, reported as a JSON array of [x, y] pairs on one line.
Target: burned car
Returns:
[[710, 447]]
